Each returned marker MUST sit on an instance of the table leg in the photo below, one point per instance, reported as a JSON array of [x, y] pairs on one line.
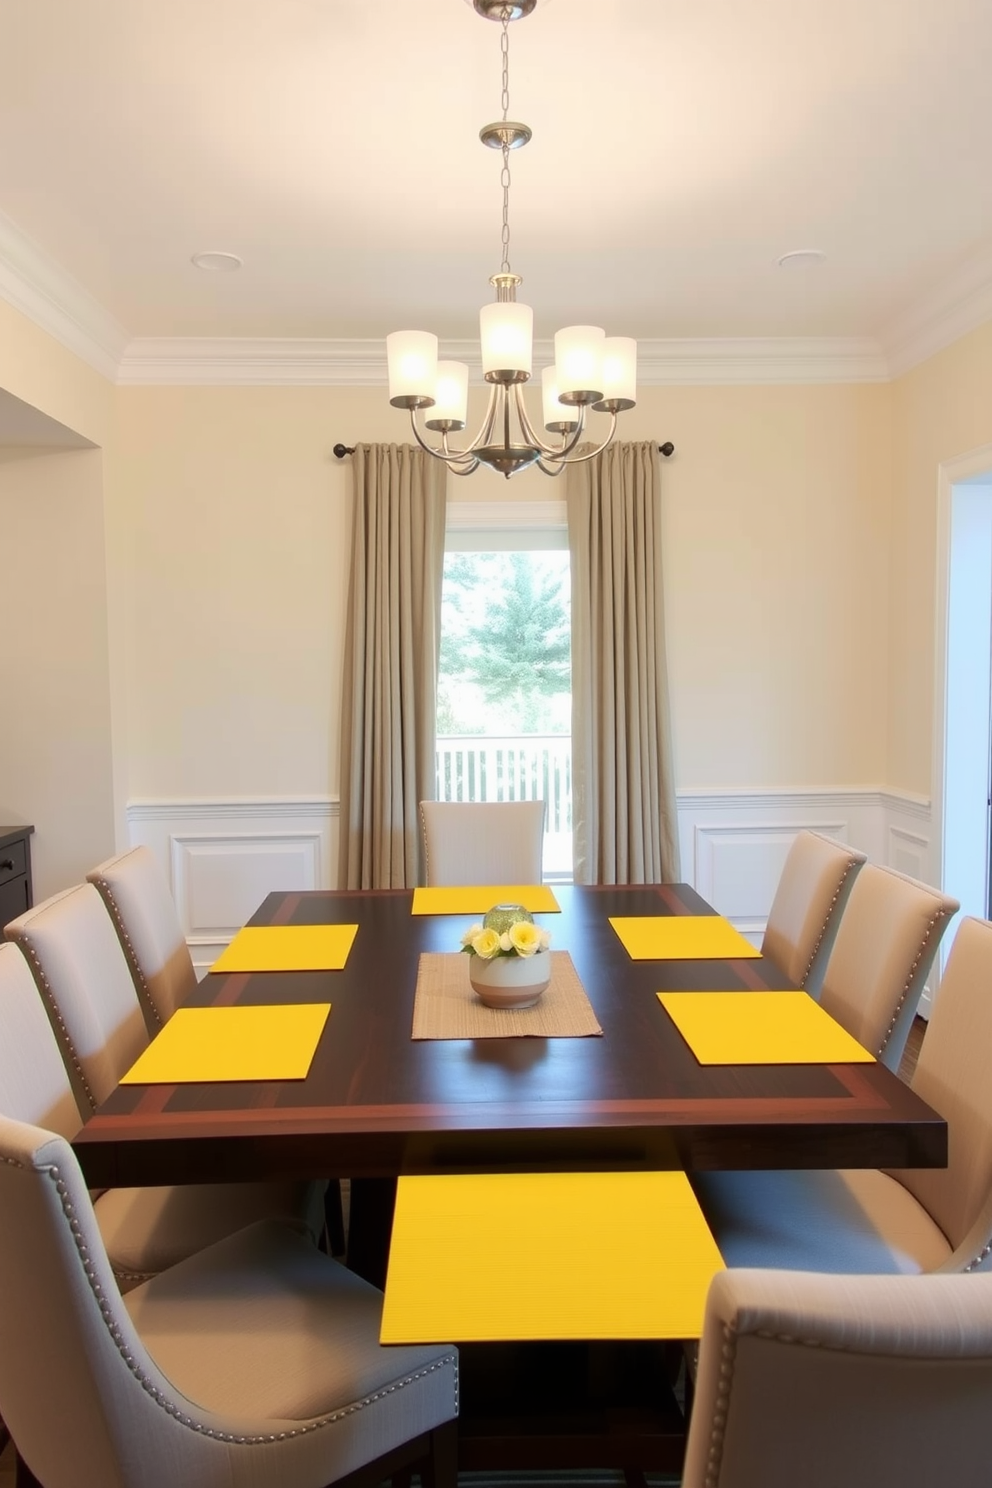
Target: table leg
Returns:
[[370, 1227]]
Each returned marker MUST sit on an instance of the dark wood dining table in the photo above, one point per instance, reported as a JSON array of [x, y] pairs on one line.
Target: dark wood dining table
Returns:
[[377, 1104]]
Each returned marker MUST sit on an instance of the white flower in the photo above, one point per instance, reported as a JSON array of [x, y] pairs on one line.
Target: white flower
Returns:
[[470, 935]]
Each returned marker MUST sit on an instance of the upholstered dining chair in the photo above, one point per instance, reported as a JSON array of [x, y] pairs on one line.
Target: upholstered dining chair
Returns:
[[482, 842], [140, 903], [817, 877], [78, 967], [865, 1381], [254, 1364], [885, 946], [909, 1220]]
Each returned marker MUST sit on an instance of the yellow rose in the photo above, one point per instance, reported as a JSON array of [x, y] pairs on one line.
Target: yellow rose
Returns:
[[526, 939], [486, 944]]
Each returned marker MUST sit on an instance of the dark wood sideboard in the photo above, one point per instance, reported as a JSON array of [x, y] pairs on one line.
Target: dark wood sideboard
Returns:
[[15, 872]]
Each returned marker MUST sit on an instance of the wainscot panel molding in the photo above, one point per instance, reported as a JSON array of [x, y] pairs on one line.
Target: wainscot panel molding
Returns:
[[734, 842], [221, 857]]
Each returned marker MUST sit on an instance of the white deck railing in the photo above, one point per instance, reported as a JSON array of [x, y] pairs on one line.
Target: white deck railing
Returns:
[[526, 768]]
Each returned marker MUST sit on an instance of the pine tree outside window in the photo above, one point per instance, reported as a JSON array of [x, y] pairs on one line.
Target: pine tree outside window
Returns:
[[504, 684]]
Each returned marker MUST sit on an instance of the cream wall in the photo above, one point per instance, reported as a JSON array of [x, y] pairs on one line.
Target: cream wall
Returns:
[[38, 370], [940, 411], [235, 514], [55, 743]]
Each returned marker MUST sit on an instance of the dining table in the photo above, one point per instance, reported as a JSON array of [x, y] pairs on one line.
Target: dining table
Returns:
[[377, 1104]]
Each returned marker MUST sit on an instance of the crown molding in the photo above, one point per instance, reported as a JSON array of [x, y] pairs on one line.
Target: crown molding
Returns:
[[232, 361], [760, 359], [40, 289], [948, 311]]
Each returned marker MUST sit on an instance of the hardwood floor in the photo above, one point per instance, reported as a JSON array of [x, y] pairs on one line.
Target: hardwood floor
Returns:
[[912, 1051]]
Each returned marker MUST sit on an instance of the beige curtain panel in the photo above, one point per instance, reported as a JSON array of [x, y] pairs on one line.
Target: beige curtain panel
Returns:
[[623, 799], [390, 664]]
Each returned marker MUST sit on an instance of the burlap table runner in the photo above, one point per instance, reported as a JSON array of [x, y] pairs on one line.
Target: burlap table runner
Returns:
[[446, 1007]]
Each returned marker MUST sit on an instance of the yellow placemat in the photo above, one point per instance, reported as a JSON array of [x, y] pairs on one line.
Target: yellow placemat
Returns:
[[288, 948], [680, 937], [479, 898], [232, 1043], [508, 1256], [760, 1028]]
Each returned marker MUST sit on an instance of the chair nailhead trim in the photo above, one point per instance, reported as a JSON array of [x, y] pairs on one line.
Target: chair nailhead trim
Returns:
[[983, 1255], [826, 924], [25, 943], [163, 1400], [939, 916], [718, 1430], [106, 893]]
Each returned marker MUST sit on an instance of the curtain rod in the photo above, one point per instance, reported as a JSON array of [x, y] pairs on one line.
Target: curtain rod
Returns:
[[340, 450]]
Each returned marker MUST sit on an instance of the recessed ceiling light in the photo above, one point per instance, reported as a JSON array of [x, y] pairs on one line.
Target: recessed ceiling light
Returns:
[[802, 258], [218, 263]]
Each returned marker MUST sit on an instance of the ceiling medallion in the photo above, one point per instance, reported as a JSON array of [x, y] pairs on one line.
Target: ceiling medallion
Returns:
[[590, 369]]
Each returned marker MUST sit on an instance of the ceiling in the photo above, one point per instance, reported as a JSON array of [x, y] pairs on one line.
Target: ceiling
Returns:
[[680, 148]]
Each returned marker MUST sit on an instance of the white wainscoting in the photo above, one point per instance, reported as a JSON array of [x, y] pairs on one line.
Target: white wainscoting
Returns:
[[222, 857], [733, 843]]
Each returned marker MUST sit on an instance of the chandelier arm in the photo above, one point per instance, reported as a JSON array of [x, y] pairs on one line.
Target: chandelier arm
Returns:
[[551, 470], [455, 458], [591, 454], [439, 454], [531, 434]]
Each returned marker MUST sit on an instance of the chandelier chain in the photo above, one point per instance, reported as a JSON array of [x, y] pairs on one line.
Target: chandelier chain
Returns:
[[504, 174]]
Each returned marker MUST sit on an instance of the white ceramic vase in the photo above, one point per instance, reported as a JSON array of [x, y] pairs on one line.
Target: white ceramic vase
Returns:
[[510, 981]]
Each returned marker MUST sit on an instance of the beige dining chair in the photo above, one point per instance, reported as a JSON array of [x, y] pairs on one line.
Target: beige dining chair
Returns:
[[908, 1220], [482, 842], [143, 911], [253, 1364], [78, 967], [816, 879], [885, 946], [140, 903], [843, 1382]]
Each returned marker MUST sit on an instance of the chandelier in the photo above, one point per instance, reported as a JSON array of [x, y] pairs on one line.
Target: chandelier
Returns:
[[591, 369]]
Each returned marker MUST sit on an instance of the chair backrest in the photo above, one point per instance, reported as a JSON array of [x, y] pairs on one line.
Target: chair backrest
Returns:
[[79, 967], [887, 939], [952, 1075], [34, 1086], [802, 923], [484, 842], [865, 1381], [133, 888], [78, 1390]]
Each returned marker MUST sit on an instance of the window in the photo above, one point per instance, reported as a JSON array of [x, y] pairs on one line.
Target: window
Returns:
[[504, 685]]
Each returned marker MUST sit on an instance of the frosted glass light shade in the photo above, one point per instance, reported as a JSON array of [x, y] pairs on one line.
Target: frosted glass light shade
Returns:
[[579, 359], [450, 396], [619, 372], [557, 416], [506, 330], [412, 359]]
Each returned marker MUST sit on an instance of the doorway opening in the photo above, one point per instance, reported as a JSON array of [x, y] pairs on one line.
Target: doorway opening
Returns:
[[963, 712]]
